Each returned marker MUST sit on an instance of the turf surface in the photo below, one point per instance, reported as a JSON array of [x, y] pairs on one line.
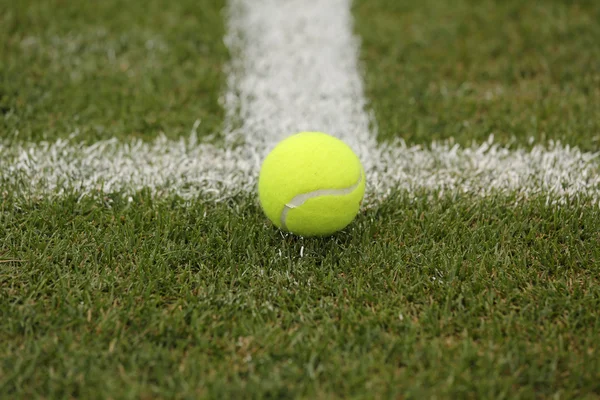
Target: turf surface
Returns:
[[468, 69], [460, 297], [164, 299], [107, 69]]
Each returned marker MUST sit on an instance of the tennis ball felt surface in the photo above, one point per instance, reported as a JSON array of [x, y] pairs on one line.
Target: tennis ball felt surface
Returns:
[[311, 184]]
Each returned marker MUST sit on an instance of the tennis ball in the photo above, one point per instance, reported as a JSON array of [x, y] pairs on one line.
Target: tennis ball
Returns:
[[311, 184]]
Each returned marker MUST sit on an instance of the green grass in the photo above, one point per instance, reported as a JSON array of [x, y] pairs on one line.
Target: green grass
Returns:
[[425, 298], [467, 69], [419, 298], [111, 68]]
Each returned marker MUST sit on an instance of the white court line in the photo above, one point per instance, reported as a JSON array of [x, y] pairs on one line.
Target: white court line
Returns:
[[294, 67]]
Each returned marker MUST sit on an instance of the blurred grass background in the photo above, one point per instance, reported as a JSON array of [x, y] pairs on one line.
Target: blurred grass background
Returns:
[[466, 69], [110, 68]]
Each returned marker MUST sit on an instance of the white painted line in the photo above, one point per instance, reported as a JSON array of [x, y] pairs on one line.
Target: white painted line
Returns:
[[295, 67], [190, 169]]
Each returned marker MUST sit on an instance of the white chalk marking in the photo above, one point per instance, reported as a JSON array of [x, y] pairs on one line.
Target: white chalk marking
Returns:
[[295, 69]]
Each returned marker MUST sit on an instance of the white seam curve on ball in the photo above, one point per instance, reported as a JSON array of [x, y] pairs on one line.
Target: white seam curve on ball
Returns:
[[300, 199]]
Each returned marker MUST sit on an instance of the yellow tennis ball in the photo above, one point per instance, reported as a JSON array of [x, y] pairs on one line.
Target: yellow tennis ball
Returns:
[[311, 184]]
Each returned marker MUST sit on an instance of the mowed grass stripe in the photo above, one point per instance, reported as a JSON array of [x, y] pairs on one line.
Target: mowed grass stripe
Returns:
[[110, 69], [522, 71]]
